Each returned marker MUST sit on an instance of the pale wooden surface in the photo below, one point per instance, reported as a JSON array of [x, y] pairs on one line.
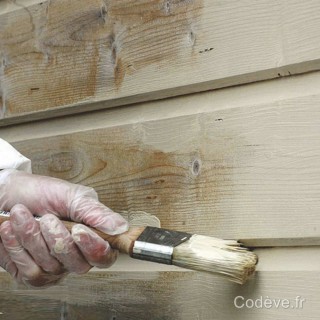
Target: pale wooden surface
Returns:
[[129, 291], [241, 162], [249, 171], [58, 54]]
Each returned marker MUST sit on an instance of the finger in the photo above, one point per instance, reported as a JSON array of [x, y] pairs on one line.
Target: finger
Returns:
[[16, 261], [27, 232], [62, 245], [93, 213], [6, 262], [96, 250], [44, 280], [19, 256]]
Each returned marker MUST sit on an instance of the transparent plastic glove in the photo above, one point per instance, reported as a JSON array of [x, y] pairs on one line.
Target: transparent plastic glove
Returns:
[[40, 254]]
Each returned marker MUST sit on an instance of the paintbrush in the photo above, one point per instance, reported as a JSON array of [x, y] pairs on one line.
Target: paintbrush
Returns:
[[227, 258]]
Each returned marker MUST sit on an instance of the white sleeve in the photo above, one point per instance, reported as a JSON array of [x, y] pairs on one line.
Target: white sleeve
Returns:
[[10, 158]]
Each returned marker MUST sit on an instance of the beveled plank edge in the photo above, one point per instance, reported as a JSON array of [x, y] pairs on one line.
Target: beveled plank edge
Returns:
[[247, 95], [85, 106]]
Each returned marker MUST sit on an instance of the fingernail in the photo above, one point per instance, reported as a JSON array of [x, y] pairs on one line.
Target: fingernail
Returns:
[[18, 219], [117, 226], [122, 226], [80, 233], [19, 216], [6, 230]]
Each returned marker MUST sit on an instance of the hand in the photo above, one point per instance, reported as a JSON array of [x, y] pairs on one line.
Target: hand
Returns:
[[40, 254]]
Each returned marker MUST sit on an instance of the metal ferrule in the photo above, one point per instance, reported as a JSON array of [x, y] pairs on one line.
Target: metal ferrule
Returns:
[[152, 252], [156, 244], [4, 213]]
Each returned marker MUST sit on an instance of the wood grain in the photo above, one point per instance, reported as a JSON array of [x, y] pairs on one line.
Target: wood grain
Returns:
[[61, 57], [140, 292], [248, 171]]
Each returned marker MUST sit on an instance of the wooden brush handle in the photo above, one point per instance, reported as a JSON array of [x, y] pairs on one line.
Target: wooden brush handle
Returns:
[[122, 242]]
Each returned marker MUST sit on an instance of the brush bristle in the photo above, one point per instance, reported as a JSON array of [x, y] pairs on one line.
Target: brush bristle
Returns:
[[224, 257]]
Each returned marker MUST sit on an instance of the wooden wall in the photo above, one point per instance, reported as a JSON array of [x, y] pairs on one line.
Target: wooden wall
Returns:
[[138, 290], [240, 162], [60, 57]]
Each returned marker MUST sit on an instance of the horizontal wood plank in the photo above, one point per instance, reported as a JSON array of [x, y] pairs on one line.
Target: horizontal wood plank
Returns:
[[61, 57], [137, 293], [248, 171]]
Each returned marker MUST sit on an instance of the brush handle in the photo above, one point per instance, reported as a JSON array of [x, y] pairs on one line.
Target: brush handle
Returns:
[[122, 242]]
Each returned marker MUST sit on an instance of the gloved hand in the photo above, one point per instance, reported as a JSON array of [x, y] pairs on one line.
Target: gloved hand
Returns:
[[40, 254]]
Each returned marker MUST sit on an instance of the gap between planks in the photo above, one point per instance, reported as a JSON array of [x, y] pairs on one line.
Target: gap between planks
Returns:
[[227, 98]]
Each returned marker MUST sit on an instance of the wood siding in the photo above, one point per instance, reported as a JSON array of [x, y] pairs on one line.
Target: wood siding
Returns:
[[57, 56], [249, 172], [195, 138], [136, 290]]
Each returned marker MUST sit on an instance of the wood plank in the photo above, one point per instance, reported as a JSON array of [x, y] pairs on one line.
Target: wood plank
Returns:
[[61, 57], [135, 293], [242, 171]]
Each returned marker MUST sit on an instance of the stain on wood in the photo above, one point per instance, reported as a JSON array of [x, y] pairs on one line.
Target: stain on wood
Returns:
[[125, 168], [74, 44], [127, 51], [172, 19], [249, 177]]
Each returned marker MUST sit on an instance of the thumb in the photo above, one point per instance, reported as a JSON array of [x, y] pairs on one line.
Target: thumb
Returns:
[[41, 195], [86, 208]]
